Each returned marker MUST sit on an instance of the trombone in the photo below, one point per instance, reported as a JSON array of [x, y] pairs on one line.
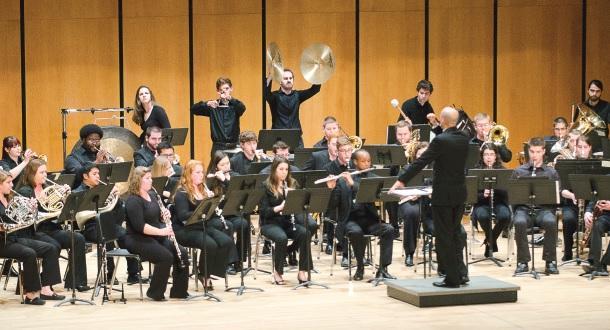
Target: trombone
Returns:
[[355, 140]]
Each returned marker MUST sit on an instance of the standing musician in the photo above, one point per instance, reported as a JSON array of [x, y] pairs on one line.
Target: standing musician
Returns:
[[285, 102], [362, 219], [218, 244], [418, 109], [321, 158], [219, 174], [89, 151], [150, 238], [145, 156], [240, 163], [481, 211], [570, 203], [599, 227], [448, 151], [278, 227], [330, 127], [545, 217], [224, 114], [595, 102], [482, 126], [13, 160], [23, 246], [91, 179], [147, 113]]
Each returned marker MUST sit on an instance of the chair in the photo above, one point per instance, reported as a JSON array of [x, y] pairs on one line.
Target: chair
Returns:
[[194, 253], [8, 275], [261, 238], [370, 253]]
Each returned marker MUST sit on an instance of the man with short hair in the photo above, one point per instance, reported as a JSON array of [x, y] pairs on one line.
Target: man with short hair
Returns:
[[330, 127], [560, 129], [166, 149], [280, 149], [319, 159], [285, 103], [418, 109], [88, 152], [240, 162], [145, 156], [482, 126], [595, 102]]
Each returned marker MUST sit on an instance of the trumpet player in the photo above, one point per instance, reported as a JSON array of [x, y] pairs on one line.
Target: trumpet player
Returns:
[[482, 127], [89, 152], [145, 156], [33, 184], [23, 246], [240, 163], [91, 179], [14, 159]]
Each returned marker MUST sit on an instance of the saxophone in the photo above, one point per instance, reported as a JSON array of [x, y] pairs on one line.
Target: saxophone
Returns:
[[597, 211], [167, 220]]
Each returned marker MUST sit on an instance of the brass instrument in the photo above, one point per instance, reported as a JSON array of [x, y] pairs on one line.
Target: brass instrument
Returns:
[[597, 211], [53, 197], [109, 157], [34, 155], [355, 140], [411, 146], [84, 216], [22, 211], [168, 223], [498, 135], [587, 120]]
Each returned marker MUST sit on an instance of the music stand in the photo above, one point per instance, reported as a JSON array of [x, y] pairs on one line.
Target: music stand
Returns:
[[606, 147], [306, 201], [68, 214], [490, 179], [386, 154], [240, 202], [63, 178], [159, 183], [175, 136], [473, 156], [306, 179], [532, 191], [246, 182], [115, 172], [257, 167], [268, 137], [302, 155], [204, 211]]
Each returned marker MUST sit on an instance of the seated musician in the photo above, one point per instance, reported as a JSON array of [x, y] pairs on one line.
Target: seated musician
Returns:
[[167, 150], [481, 211], [482, 126], [278, 227], [219, 246], [33, 183], [89, 226], [90, 151], [145, 156], [162, 167], [544, 214], [240, 163], [219, 174], [560, 129], [597, 219], [330, 127], [14, 159], [280, 149], [321, 158], [362, 219], [344, 154], [570, 203], [403, 136], [148, 236], [23, 246]]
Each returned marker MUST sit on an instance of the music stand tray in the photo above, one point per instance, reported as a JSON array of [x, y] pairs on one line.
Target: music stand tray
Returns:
[[268, 137], [302, 155], [246, 182], [306, 179], [257, 167], [115, 172], [63, 178], [175, 136], [386, 154], [159, 183]]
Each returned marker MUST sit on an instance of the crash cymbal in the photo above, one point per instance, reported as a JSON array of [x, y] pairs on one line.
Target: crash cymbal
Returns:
[[274, 62], [317, 63]]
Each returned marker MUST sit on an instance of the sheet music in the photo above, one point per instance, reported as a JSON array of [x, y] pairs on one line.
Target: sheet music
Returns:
[[413, 191]]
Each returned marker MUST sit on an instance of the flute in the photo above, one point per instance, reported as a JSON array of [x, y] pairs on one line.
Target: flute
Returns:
[[335, 177]]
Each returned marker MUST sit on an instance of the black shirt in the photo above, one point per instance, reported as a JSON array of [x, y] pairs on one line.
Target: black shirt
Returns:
[[285, 107], [505, 154], [157, 118], [7, 164], [415, 111], [335, 168], [240, 164], [141, 212], [602, 109], [322, 143], [143, 157], [224, 121], [76, 162], [265, 209], [317, 161]]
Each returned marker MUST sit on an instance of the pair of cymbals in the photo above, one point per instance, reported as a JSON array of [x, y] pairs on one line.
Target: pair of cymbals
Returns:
[[317, 63]]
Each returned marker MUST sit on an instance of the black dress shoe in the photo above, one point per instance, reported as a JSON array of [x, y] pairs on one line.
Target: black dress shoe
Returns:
[[359, 275], [231, 270], [54, 296], [266, 248], [551, 268], [522, 268], [238, 266], [179, 296], [443, 284], [409, 260], [83, 288], [383, 273], [36, 301], [566, 257], [161, 298], [329, 249], [465, 279]]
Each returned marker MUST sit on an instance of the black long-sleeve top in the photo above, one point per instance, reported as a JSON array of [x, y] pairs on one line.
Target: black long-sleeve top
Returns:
[[266, 205], [240, 163], [158, 118], [285, 107], [143, 157], [417, 113], [141, 212], [76, 162], [7, 164], [224, 121], [505, 154], [602, 109]]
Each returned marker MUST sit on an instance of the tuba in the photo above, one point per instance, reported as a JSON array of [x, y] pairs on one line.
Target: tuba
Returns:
[[587, 120]]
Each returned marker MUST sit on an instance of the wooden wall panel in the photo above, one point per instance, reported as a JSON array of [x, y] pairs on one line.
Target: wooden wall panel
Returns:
[[227, 42], [461, 54], [155, 52], [10, 66], [598, 43], [539, 70], [71, 61], [391, 61], [296, 25]]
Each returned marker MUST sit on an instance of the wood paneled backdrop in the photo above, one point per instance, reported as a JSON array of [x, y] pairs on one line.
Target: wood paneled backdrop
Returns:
[[71, 59]]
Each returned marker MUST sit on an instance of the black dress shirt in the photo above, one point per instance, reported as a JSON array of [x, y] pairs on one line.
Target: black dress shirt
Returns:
[[240, 163], [224, 121], [157, 118], [285, 107]]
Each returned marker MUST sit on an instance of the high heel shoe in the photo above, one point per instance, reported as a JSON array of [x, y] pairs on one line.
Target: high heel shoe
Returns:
[[275, 281]]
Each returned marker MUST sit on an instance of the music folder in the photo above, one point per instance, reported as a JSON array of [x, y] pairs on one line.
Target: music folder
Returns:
[[204, 211]]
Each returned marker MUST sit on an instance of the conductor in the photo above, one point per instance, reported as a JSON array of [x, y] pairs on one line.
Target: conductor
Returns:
[[448, 152]]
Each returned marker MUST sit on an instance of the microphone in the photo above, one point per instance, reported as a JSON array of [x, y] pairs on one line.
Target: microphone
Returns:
[[394, 103]]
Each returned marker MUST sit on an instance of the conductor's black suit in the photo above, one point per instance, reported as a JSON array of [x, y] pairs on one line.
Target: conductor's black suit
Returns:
[[448, 152]]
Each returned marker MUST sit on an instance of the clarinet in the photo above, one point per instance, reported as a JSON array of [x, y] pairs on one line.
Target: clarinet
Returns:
[[292, 220], [168, 223], [218, 211]]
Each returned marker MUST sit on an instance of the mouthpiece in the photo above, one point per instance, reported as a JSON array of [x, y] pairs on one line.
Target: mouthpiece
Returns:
[[394, 103]]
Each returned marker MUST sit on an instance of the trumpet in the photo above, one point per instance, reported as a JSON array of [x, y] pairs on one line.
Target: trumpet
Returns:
[[34, 155], [109, 157]]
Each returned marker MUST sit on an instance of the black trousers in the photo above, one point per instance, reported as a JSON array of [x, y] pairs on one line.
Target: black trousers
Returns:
[[280, 232], [449, 241], [225, 227], [61, 239], [570, 226], [482, 215], [363, 222], [409, 212], [241, 227], [544, 218], [393, 213], [161, 252], [91, 235], [217, 245], [600, 227], [27, 250]]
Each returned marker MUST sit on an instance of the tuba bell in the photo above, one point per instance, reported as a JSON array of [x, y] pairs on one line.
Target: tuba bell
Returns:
[[587, 120]]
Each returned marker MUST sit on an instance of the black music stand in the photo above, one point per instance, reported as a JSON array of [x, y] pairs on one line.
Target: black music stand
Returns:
[[386, 154], [63, 178], [175, 136], [302, 155], [307, 179], [115, 172], [532, 191], [491, 179], [159, 183], [257, 167], [473, 156], [268, 137], [246, 182], [68, 214], [606, 147], [305, 201], [240, 202], [205, 210]]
